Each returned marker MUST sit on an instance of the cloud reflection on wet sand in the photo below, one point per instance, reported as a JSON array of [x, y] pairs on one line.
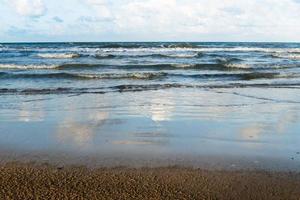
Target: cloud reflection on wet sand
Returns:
[[132, 142], [192, 121], [78, 133], [31, 113]]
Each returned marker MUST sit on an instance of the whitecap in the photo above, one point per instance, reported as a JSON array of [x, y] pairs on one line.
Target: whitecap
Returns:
[[238, 65], [293, 56], [14, 66], [58, 55]]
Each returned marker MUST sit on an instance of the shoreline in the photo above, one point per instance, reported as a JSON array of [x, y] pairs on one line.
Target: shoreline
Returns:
[[153, 160], [32, 176], [46, 181]]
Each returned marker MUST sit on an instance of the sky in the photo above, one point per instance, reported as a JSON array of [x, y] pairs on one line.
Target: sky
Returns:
[[149, 20]]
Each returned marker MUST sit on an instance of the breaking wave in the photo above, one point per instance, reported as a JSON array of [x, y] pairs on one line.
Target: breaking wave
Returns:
[[212, 66], [145, 76], [58, 55], [137, 88], [29, 66], [293, 56], [154, 66], [158, 55], [136, 75]]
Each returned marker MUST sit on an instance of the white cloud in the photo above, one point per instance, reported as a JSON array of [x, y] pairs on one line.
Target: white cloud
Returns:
[[31, 8], [187, 18], [197, 20]]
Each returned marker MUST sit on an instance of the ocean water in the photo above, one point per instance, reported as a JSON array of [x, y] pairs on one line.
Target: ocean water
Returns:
[[161, 100]]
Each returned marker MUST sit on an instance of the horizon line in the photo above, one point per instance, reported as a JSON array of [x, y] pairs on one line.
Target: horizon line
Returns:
[[27, 42]]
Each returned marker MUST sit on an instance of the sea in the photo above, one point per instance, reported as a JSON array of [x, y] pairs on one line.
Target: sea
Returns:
[[155, 103]]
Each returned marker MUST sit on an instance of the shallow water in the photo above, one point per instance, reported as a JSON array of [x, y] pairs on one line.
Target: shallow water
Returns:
[[158, 100]]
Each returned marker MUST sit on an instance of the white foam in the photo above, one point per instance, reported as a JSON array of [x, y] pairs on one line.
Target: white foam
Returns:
[[213, 49], [121, 75], [183, 55], [238, 66], [288, 56], [3, 48], [58, 55], [75, 51], [183, 65], [14, 66]]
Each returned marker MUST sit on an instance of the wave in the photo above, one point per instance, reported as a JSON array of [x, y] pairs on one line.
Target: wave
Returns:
[[178, 48], [229, 65], [293, 56], [252, 49], [241, 66], [234, 76], [225, 60], [181, 45], [30, 66], [37, 91], [145, 76], [212, 66], [133, 66], [13, 54], [147, 87], [154, 55], [138, 88], [196, 55], [79, 66], [259, 75], [108, 56], [121, 45], [158, 48], [135, 75], [58, 55], [147, 45], [248, 67], [154, 46], [204, 66]]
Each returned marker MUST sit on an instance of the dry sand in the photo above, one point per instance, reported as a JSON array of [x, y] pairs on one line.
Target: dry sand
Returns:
[[32, 181]]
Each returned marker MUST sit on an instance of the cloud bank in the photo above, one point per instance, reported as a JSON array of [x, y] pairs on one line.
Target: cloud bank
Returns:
[[30, 8], [151, 20]]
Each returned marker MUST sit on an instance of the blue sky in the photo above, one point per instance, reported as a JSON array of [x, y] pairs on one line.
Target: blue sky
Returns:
[[149, 20]]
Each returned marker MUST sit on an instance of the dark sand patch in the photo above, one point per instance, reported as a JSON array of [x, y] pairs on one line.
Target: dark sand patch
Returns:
[[29, 181]]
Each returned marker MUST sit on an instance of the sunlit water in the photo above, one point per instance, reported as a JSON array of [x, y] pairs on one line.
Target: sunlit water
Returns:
[[152, 100]]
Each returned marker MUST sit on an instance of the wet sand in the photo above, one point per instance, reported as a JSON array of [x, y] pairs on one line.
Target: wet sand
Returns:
[[43, 181]]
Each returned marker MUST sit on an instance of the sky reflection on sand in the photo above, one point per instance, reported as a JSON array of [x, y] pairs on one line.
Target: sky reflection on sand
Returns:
[[188, 121], [28, 114], [78, 133]]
